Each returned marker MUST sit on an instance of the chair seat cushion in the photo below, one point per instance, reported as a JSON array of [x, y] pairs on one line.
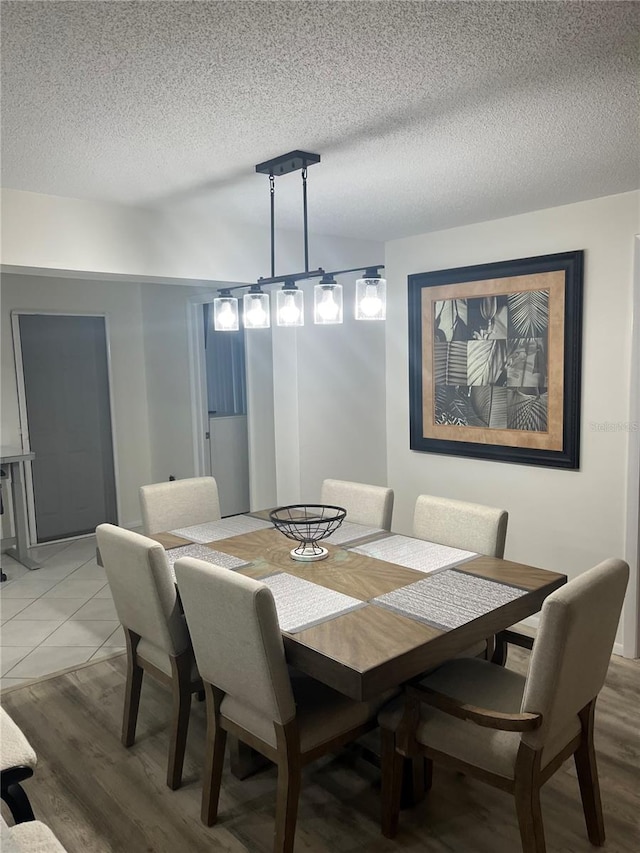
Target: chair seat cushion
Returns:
[[321, 713], [34, 837], [484, 685], [16, 749]]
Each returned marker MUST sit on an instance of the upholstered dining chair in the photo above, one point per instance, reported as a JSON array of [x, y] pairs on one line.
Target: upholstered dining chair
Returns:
[[179, 503], [514, 731], [17, 763], [250, 695], [156, 634], [459, 524], [365, 504]]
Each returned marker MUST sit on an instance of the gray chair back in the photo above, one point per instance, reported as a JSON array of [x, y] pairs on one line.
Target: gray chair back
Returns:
[[236, 637], [365, 504], [179, 503], [459, 524], [571, 654], [143, 590]]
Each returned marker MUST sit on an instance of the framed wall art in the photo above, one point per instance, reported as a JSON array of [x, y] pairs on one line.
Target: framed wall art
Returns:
[[494, 360]]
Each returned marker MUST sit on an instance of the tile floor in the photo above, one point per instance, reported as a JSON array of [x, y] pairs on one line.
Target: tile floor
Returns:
[[58, 616]]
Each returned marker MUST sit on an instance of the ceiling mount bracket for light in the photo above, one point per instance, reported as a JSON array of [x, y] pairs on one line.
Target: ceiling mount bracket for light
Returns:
[[285, 163]]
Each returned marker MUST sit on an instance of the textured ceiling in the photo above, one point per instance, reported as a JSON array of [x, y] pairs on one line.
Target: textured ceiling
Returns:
[[426, 114]]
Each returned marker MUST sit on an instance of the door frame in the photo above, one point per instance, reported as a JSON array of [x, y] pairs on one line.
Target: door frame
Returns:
[[16, 313]]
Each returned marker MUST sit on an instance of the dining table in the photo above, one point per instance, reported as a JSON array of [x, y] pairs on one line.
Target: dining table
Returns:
[[381, 608]]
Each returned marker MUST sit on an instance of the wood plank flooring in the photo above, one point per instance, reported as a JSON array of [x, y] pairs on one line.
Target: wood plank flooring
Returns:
[[101, 798]]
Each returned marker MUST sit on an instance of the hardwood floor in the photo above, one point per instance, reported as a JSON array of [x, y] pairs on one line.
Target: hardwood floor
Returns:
[[99, 797]]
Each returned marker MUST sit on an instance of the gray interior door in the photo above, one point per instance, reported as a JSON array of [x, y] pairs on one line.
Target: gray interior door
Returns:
[[66, 380]]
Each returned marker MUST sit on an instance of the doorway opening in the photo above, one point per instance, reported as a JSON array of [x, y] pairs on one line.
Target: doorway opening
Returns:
[[64, 391], [225, 369]]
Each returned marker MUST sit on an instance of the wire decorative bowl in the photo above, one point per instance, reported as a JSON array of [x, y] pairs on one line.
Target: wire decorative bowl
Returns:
[[307, 524]]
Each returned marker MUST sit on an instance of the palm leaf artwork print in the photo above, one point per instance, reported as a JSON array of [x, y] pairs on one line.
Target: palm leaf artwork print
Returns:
[[529, 314], [450, 363], [450, 320], [527, 411], [451, 405], [527, 363], [487, 407], [486, 363]]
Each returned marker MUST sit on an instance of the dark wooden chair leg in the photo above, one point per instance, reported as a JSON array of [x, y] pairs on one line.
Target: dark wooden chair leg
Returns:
[[213, 761], [527, 796], [288, 788], [500, 649], [132, 690], [14, 795], [587, 770], [391, 792], [181, 689]]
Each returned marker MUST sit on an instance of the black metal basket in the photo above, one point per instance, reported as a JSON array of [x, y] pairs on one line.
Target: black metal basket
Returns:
[[307, 524]]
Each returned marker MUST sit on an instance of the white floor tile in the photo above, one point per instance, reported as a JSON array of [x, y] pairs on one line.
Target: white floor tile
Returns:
[[11, 682], [107, 652], [9, 607], [12, 568], [116, 639], [105, 592], [90, 571], [49, 608], [28, 586], [27, 632], [96, 608], [47, 660], [11, 655], [81, 634], [70, 588]]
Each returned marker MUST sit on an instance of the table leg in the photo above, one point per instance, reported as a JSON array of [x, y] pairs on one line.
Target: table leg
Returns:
[[19, 552]]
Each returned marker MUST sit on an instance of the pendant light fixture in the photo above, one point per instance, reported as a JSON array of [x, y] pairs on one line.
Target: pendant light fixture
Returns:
[[327, 301], [327, 294], [371, 296], [256, 309], [225, 312]]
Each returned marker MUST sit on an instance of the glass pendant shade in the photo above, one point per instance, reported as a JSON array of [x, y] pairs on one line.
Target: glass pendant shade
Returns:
[[371, 298], [290, 307], [327, 304], [256, 311], [225, 314]]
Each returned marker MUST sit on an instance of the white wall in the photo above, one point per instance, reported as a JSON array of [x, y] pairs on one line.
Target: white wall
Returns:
[[315, 422], [120, 302], [563, 520]]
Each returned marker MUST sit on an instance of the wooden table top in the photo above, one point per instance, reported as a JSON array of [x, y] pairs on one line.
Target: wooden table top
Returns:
[[366, 651]]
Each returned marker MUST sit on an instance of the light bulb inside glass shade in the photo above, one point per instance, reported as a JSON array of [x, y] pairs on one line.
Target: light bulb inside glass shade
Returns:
[[225, 314], [327, 303], [371, 299], [256, 311], [290, 308]]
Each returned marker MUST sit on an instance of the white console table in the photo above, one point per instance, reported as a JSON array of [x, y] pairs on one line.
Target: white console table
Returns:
[[13, 459]]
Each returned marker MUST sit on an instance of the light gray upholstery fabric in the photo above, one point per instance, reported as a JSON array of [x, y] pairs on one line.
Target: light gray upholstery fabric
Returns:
[[179, 503], [372, 505], [236, 637], [571, 655], [485, 685], [15, 749], [32, 836], [567, 670], [469, 526], [238, 647], [143, 591]]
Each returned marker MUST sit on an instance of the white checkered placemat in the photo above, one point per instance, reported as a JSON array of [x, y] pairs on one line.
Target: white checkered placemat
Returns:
[[301, 604], [414, 553], [449, 598], [201, 552], [223, 529]]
